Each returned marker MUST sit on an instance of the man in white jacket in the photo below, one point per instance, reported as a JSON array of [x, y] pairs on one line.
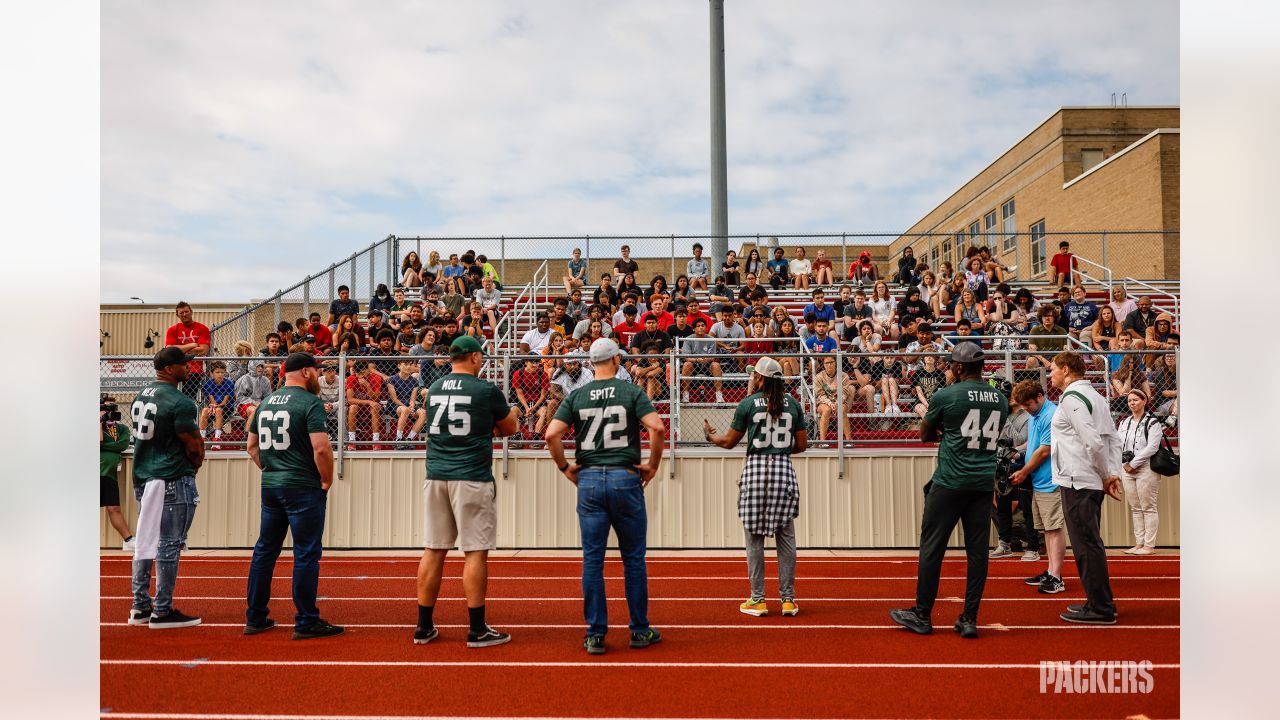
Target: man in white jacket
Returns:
[[1086, 464]]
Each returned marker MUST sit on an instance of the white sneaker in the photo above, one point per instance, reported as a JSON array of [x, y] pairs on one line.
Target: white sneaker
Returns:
[[1002, 550], [129, 544], [1145, 551], [1172, 421], [719, 397], [1133, 550], [1031, 556]]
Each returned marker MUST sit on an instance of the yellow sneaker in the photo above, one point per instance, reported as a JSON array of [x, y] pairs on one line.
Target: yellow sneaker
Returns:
[[754, 606], [789, 607]]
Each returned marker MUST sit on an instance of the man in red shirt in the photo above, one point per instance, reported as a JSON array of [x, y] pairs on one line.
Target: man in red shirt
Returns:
[[1064, 266], [695, 312], [321, 332], [192, 338], [658, 303], [623, 331], [364, 390]]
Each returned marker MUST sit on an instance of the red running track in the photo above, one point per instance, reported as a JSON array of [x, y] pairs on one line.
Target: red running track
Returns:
[[841, 657]]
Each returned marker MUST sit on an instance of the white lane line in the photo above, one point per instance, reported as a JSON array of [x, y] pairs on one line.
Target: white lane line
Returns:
[[735, 598], [232, 716], [578, 626], [909, 559], [606, 663], [652, 578]]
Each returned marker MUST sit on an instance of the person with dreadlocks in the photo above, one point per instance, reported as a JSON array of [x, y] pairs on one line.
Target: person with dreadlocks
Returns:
[[768, 495]]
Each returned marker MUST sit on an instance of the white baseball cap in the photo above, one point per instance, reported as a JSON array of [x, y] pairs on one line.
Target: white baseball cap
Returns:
[[605, 349], [765, 366]]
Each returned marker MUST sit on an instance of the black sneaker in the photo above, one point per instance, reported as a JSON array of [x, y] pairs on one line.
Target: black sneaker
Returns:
[[423, 636], [1052, 585], [913, 620], [487, 638], [317, 629], [1037, 579], [1088, 616], [139, 617], [174, 619], [645, 638], [255, 628], [594, 644], [1084, 606], [967, 628]]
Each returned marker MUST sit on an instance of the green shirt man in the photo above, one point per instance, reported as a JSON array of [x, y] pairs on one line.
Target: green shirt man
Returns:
[[284, 423], [970, 415], [605, 416], [160, 413], [765, 435], [116, 438], [462, 411]]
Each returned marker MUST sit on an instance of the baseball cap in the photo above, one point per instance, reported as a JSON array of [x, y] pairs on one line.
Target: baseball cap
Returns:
[[768, 367], [967, 352], [605, 349], [465, 345], [298, 361], [171, 356], [309, 338]]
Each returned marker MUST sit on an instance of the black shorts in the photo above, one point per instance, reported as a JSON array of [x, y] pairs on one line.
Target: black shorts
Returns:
[[108, 492], [699, 367]]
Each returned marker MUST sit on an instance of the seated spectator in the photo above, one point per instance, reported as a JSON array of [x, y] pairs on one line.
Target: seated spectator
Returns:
[[298, 331], [431, 305], [777, 316], [683, 291], [240, 366], [681, 327], [820, 341], [489, 298], [995, 270], [554, 353], [946, 273], [913, 306], [730, 269], [759, 301], [364, 393], [576, 309], [348, 324], [532, 389], [624, 330], [720, 295], [323, 335], [809, 328], [789, 342], [595, 314], [1105, 329], [605, 294], [857, 311], [779, 270], [657, 286], [349, 344], [819, 307], [453, 299], [402, 397], [489, 270], [862, 337], [748, 288], [1042, 339], [695, 312], [423, 348], [381, 299], [823, 273], [976, 279], [906, 274], [560, 321], [801, 270], [1026, 304], [658, 304], [455, 269], [576, 276], [999, 301], [411, 271], [594, 333], [971, 310], [628, 300], [1081, 315], [930, 290], [698, 269], [218, 391], [889, 372], [757, 345], [925, 341], [928, 380], [650, 372], [385, 350], [754, 265], [251, 390], [650, 333], [1158, 335], [951, 293], [697, 351], [629, 286], [884, 311], [406, 340], [964, 329], [828, 400], [377, 323], [1164, 387], [537, 337], [1063, 266], [907, 330], [1127, 375], [844, 300], [433, 267], [625, 265], [862, 271], [330, 387], [1064, 297], [1138, 321], [728, 334], [1120, 303], [274, 349]]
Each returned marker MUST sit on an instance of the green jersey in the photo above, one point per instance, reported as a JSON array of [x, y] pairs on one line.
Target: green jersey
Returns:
[[115, 440], [767, 435], [284, 423], [605, 415], [462, 411], [970, 415], [159, 414]]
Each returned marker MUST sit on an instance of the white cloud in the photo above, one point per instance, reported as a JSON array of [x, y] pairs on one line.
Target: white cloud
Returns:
[[300, 131]]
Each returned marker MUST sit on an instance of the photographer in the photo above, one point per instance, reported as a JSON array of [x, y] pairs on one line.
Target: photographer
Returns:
[[113, 439], [1011, 455]]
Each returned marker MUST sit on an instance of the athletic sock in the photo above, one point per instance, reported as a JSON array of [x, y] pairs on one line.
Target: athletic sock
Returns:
[[399, 436], [375, 437], [351, 437], [217, 434], [424, 616], [476, 615]]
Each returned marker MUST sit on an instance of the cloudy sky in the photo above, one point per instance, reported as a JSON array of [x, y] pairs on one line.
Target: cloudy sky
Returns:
[[245, 145]]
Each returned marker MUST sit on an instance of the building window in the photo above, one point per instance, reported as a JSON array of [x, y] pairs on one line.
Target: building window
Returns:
[[989, 228], [975, 232], [960, 250], [1038, 249], [946, 248], [1089, 158], [1010, 225]]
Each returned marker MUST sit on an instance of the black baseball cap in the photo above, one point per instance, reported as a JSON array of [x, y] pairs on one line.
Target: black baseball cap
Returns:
[[298, 361], [171, 356]]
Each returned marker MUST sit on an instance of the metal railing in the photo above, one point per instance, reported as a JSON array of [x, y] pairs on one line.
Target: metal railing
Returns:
[[524, 307]]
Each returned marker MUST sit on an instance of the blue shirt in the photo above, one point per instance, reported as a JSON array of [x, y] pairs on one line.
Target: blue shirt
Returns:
[[827, 344], [1080, 315], [826, 312], [575, 267], [215, 392], [452, 271], [1113, 361], [1039, 434], [404, 387], [779, 267]]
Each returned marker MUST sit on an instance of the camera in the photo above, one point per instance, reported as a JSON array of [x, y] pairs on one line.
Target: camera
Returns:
[[111, 409], [1126, 457], [1005, 456]]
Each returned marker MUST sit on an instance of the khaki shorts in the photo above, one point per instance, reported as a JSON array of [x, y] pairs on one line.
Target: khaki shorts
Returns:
[[1046, 510], [461, 514]]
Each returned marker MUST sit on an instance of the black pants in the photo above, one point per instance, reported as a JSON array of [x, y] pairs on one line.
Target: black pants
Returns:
[[943, 508], [1082, 511], [1004, 515]]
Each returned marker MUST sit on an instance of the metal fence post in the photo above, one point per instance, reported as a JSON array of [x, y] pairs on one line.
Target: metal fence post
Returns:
[[674, 414], [373, 270], [842, 414], [392, 258], [1104, 249], [587, 275], [502, 243], [352, 262], [275, 307], [342, 412], [506, 393], [332, 277], [844, 266], [306, 298], [673, 261]]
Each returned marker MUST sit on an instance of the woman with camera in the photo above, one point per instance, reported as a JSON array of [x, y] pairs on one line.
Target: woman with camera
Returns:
[[113, 439], [1140, 435]]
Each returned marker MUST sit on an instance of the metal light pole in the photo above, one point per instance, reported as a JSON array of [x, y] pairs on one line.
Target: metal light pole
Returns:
[[719, 171]]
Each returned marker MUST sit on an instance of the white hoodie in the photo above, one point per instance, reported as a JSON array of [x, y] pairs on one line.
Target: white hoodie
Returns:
[[1085, 448]]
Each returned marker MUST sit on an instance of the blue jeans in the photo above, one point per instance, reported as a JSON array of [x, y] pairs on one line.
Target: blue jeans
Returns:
[[301, 510], [180, 500], [612, 497]]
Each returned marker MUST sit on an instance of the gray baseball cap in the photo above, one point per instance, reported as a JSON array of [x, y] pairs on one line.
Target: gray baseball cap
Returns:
[[967, 352], [605, 349]]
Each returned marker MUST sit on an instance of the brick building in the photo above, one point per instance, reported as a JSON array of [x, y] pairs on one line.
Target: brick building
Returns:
[[1108, 176]]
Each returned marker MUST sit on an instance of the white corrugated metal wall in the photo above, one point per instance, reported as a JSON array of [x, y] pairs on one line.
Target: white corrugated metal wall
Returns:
[[378, 504]]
